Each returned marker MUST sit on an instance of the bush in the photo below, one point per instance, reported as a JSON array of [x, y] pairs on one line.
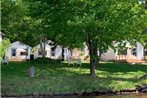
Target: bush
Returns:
[[3, 46]]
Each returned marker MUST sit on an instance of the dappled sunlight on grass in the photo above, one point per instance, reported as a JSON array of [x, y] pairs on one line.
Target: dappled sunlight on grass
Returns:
[[61, 78]]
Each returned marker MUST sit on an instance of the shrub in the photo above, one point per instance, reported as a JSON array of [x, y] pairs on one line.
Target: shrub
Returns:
[[3, 46]]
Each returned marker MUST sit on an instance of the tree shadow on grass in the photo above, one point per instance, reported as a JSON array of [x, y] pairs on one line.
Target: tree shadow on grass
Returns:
[[21, 69], [118, 67], [61, 78], [46, 71], [63, 68]]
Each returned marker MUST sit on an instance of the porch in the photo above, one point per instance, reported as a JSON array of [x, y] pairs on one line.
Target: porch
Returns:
[[129, 59]]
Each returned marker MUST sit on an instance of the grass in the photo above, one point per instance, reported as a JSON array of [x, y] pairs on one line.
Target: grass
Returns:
[[61, 79]]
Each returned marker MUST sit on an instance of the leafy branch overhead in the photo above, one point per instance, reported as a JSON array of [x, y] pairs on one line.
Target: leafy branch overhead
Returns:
[[70, 23]]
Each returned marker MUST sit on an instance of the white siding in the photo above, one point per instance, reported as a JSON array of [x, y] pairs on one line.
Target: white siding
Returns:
[[140, 51], [109, 55], [58, 52], [19, 48]]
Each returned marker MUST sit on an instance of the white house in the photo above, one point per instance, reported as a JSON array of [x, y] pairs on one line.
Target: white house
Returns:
[[18, 51], [52, 53], [131, 53]]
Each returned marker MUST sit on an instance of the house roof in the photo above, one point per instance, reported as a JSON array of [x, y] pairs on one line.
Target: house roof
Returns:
[[19, 45]]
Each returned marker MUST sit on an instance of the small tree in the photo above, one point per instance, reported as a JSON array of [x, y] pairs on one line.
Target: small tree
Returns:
[[3, 46], [99, 23]]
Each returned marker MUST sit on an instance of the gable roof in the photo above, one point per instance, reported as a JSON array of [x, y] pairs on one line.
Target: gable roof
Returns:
[[19, 45]]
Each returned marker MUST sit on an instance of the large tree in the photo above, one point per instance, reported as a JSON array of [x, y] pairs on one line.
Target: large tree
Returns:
[[99, 23]]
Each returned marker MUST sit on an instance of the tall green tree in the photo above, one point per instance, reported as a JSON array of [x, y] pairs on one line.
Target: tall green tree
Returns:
[[103, 22], [16, 23], [99, 23]]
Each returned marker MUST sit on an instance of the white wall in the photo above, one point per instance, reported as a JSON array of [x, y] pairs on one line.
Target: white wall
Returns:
[[37, 49], [8, 52], [19, 48], [18, 56], [67, 53], [29, 52], [140, 51], [48, 52], [18, 51], [130, 56], [58, 52], [109, 55]]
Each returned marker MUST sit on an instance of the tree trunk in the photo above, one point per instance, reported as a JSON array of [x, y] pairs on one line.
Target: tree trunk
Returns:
[[92, 68], [62, 54], [92, 45], [42, 45], [93, 60], [94, 57]]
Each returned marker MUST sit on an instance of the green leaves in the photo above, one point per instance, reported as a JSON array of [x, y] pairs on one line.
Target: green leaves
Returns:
[[69, 22], [3, 46]]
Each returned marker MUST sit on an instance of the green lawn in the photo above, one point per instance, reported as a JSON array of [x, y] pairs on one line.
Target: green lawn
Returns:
[[60, 78]]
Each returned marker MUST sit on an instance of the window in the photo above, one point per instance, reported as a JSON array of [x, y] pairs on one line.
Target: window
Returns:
[[23, 53], [134, 51], [40, 52], [122, 51], [13, 51]]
